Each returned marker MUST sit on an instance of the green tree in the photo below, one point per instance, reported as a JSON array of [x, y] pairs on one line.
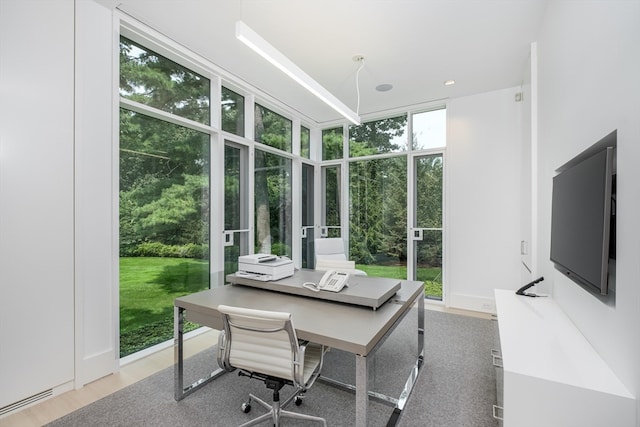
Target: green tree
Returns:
[[376, 137], [377, 193], [332, 143], [164, 168], [429, 197], [151, 79], [272, 184]]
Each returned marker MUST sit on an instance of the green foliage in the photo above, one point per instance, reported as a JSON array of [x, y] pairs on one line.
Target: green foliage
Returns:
[[273, 217], [429, 183], [272, 129], [377, 137], [305, 142], [378, 210], [164, 168], [332, 142], [152, 79], [433, 289], [280, 249], [332, 196], [232, 107], [157, 249], [378, 194]]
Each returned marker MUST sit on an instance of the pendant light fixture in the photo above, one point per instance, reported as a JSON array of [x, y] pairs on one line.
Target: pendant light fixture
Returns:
[[284, 64]]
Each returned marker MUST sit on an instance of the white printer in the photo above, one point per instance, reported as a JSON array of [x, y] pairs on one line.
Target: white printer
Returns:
[[264, 267]]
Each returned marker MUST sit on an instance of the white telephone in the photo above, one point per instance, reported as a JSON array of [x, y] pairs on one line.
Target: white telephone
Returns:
[[332, 281]]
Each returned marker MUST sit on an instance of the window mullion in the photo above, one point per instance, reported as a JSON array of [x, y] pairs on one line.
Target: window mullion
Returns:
[[164, 116]]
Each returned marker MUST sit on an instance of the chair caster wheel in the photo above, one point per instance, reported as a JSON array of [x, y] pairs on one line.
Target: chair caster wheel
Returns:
[[298, 401], [246, 408]]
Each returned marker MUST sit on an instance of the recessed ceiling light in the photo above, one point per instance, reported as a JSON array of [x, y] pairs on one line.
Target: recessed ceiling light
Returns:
[[385, 87], [449, 82]]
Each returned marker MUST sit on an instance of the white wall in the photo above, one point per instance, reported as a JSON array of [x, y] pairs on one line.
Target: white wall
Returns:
[[527, 166], [96, 208], [484, 146], [36, 197], [589, 68]]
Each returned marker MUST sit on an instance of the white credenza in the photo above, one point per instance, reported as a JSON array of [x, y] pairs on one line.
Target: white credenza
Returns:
[[552, 376]]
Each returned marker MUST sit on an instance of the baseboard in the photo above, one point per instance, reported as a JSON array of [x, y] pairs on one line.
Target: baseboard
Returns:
[[471, 302], [37, 398], [96, 366]]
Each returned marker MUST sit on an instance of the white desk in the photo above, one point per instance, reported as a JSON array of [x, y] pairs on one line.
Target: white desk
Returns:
[[315, 320]]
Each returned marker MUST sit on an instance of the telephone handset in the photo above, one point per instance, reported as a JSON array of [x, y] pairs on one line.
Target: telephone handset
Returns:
[[332, 281]]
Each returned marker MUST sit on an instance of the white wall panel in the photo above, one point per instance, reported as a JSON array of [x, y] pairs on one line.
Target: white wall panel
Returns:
[[589, 63], [36, 196], [483, 198], [96, 198]]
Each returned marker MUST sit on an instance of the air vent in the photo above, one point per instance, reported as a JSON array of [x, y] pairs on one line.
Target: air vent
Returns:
[[25, 402]]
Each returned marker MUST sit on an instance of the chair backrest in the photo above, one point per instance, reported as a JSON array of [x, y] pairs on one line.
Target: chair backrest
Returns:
[[331, 248], [259, 341], [330, 255], [337, 265]]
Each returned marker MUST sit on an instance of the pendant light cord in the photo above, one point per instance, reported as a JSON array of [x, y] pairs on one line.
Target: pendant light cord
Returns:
[[361, 59]]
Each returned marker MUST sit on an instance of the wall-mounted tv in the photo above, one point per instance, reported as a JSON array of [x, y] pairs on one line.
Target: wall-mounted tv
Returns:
[[583, 216]]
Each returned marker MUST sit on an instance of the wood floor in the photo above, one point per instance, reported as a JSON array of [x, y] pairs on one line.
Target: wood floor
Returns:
[[58, 406]]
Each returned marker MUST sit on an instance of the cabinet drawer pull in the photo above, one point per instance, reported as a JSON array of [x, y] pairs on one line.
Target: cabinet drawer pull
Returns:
[[497, 361], [498, 409]]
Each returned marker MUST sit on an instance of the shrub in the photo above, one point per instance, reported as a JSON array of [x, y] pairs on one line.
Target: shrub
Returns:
[[157, 249], [280, 249]]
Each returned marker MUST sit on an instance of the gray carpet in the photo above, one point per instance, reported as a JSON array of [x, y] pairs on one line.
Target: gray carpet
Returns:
[[456, 386]]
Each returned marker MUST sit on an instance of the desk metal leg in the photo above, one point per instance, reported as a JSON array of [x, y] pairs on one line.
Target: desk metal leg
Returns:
[[180, 392], [362, 396], [178, 352], [421, 329], [413, 375], [361, 387]]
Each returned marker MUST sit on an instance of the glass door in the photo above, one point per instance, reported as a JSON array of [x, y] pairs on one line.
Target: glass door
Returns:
[[307, 234], [236, 218], [272, 200], [331, 206], [164, 225], [378, 216], [427, 230]]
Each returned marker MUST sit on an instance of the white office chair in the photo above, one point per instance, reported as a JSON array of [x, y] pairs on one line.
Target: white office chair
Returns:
[[263, 345], [330, 255]]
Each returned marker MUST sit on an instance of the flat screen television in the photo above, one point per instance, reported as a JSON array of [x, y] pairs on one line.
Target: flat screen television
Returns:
[[583, 217]]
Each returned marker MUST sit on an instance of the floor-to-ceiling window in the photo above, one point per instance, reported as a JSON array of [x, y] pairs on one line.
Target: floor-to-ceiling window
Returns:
[[272, 183], [429, 141], [378, 216], [236, 205], [395, 226], [236, 181], [164, 192], [332, 149], [428, 227], [378, 196], [308, 214]]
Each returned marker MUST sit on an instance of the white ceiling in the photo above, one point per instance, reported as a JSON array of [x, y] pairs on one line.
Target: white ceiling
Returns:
[[415, 45]]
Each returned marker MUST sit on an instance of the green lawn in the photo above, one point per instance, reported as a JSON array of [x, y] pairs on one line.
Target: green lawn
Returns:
[[432, 277], [149, 285]]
